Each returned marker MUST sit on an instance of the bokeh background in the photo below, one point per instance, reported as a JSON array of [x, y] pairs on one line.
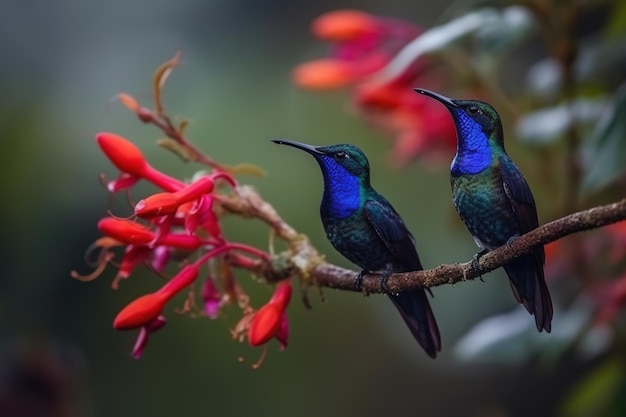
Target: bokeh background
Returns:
[[60, 64]]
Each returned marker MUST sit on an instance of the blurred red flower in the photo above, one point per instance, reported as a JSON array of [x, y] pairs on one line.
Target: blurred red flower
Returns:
[[363, 45]]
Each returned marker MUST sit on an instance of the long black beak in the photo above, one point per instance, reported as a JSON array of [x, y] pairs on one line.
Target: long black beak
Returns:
[[313, 150], [445, 100]]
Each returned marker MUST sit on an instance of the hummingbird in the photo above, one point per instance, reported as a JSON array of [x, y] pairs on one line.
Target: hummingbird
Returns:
[[365, 228], [494, 201]]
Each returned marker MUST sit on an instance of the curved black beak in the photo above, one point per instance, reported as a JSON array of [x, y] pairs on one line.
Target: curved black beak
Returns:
[[443, 99], [313, 150]]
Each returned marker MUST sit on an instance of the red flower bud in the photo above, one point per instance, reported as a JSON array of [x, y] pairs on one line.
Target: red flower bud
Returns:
[[125, 231], [160, 204], [122, 153], [344, 25], [264, 324], [163, 204], [271, 320], [323, 74], [140, 312]]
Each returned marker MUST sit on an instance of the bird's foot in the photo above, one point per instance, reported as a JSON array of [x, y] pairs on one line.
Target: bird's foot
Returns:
[[476, 259], [358, 281], [510, 241], [383, 282]]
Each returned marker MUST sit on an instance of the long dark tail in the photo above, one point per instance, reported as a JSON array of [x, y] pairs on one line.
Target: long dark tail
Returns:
[[529, 287], [416, 312]]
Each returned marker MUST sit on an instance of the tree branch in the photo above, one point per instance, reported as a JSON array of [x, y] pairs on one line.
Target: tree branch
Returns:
[[303, 259]]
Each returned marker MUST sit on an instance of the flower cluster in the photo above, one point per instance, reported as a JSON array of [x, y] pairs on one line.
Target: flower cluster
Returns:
[[363, 46], [179, 228]]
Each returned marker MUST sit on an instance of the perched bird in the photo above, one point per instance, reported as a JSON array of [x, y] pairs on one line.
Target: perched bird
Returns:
[[365, 228], [494, 200]]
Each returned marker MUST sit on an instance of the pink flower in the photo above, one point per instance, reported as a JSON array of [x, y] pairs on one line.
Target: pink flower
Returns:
[[211, 297]]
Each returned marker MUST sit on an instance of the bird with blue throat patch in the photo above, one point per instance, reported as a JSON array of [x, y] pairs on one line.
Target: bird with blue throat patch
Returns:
[[364, 227], [494, 200]]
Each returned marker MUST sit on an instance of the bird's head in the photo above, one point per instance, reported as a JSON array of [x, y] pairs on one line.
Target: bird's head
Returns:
[[337, 161], [476, 121]]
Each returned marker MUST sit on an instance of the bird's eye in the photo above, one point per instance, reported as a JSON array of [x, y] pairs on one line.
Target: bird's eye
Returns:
[[340, 155], [473, 110]]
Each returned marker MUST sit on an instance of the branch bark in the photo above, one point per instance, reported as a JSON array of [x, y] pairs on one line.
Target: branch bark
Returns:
[[303, 259]]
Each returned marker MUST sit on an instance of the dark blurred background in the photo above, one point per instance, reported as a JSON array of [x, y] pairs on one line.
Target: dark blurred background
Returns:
[[60, 64]]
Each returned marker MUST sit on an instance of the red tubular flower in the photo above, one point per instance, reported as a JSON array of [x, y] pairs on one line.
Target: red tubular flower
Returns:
[[163, 204], [122, 153], [270, 320], [125, 231], [129, 159], [264, 324], [132, 233], [323, 74], [344, 25], [147, 308], [141, 311], [160, 204]]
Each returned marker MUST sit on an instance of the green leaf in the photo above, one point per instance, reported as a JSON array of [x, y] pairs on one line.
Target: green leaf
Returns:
[[593, 395], [604, 153]]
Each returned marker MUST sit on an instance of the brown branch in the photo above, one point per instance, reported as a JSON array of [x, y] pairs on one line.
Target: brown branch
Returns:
[[303, 259]]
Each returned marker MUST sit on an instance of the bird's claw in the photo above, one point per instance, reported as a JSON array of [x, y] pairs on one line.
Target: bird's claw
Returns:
[[510, 241], [383, 283], [476, 259], [358, 281]]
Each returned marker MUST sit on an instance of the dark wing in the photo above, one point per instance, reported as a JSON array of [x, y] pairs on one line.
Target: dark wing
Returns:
[[391, 229], [519, 195], [413, 305], [526, 272]]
